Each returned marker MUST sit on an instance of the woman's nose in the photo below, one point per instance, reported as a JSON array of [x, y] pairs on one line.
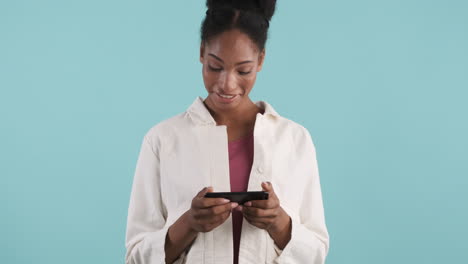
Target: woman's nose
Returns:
[[227, 82]]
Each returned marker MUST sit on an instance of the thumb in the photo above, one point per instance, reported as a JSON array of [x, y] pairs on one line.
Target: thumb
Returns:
[[204, 191], [266, 186]]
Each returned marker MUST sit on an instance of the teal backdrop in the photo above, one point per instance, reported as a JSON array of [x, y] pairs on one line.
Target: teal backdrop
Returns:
[[381, 86]]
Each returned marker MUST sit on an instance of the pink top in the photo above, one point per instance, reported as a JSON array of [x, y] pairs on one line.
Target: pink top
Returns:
[[240, 164]]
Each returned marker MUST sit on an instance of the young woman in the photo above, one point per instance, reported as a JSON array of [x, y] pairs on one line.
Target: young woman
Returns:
[[226, 142]]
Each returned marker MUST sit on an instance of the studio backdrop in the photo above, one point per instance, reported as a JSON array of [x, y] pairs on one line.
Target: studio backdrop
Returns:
[[380, 85]]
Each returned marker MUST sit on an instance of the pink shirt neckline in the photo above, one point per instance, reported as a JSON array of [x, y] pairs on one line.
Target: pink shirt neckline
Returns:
[[240, 164], [243, 138]]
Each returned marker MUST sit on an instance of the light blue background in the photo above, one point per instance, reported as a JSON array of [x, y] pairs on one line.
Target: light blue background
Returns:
[[381, 86]]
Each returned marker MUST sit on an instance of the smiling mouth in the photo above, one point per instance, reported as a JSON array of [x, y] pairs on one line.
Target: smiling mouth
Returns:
[[227, 96]]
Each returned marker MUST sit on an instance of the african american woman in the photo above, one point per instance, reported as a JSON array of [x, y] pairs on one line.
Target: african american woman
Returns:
[[228, 143]]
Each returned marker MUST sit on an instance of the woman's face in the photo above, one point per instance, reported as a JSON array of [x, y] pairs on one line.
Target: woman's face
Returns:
[[230, 65]]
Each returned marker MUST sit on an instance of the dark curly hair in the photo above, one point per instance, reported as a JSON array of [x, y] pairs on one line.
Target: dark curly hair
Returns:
[[251, 17]]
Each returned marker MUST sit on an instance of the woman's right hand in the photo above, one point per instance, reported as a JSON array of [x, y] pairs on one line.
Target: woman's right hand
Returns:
[[206, 214]]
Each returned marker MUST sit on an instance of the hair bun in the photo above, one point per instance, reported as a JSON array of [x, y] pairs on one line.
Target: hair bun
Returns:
[[266, 8]]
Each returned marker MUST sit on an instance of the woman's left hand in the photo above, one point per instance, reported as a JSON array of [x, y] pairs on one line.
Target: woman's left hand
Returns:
[[267, 214]]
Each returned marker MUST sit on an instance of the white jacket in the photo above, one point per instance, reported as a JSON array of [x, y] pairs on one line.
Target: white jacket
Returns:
[[187, 152]]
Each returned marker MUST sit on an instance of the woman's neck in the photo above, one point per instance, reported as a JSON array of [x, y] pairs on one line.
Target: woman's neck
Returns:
[[243, 116]]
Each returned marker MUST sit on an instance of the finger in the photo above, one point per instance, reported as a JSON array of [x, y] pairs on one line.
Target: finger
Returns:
[[267, 186], [196, 201], [205, 190], [264, 220], [207, 227], [209, 202], [263, 204], [219, 219], [220, 209], [257, 223], [260, 213], [200, 201], [214, 210]]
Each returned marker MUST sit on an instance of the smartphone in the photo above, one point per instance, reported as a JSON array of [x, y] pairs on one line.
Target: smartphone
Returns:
[[239, 197]]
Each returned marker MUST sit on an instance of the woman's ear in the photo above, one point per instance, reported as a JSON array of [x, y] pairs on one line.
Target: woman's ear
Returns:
[[202, 52], [261, 58]]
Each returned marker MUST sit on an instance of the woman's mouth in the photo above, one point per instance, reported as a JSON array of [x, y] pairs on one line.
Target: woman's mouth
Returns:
[[226, 98]]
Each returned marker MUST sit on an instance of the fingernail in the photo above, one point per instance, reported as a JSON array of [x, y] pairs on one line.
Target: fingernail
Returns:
[[234, 205], [225, 201], [248, 204]]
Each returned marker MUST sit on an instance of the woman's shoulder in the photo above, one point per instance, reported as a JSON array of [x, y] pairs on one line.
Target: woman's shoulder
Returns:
[[291, 126], [302, 136], [280, 120], [168, 126], [283, 126]]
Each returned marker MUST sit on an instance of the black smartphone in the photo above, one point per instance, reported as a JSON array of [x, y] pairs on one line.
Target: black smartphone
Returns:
[[239, 197]]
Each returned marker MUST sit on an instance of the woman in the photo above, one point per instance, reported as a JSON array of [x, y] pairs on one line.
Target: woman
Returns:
[[226, 143]]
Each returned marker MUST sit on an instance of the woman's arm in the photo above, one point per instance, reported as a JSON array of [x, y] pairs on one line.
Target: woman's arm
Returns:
[[147, 228], [309, 236], [281, 233], [269, 215], [178, 238], [299, 236], [146, 222], [204, 215]]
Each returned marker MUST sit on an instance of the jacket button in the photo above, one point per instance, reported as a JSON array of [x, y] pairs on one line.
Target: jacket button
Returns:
[[259, 169]]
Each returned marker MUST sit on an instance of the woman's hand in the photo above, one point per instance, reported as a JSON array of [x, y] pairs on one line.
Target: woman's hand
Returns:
[[206, 214], [269, 215]]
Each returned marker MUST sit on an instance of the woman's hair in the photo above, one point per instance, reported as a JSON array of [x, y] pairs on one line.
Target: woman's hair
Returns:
[[251, 17]]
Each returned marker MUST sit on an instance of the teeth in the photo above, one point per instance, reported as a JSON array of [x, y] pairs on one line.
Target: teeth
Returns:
[[226, 96]]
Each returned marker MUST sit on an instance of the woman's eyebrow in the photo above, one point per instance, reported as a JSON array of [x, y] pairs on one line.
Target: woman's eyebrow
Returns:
[[219, 59]]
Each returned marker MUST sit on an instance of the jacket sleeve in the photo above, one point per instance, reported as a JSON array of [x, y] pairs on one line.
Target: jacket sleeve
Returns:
[[146, 221], [309, 236]]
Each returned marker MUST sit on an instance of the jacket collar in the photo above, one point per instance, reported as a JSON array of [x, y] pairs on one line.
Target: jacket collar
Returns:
[[201, 116]]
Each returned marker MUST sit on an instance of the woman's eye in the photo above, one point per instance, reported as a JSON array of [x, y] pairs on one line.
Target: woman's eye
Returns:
[[214, 69], [244, 72]]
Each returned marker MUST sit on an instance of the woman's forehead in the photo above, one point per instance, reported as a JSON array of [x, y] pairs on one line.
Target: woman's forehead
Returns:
[[232, 46]]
